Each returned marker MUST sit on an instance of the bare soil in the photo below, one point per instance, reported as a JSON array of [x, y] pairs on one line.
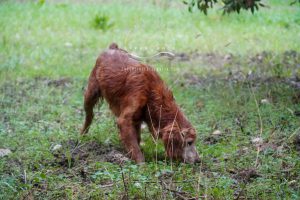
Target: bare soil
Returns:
[[73, 154]]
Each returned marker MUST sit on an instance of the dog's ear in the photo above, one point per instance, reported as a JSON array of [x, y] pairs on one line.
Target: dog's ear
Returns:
[[173, 142], [170, 130], [171, 136]]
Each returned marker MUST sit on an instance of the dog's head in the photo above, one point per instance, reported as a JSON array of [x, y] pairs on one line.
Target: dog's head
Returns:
[[180, 143]]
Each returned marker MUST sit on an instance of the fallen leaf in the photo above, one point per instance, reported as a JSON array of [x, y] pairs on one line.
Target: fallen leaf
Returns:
[[56, 147], [217, 132], [200, 104], [258, 141], [265, 101], [4, 152]]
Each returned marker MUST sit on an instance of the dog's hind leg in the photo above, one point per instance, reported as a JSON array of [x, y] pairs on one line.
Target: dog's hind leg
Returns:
[[91, 97]]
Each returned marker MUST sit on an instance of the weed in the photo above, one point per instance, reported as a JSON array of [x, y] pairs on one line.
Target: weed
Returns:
[[102, 22]]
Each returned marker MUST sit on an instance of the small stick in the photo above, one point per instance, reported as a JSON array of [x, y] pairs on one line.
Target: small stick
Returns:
[[108, 185], [170, 55], [25, 177], [243, 188], [125, 186], [145, 192], [260, 122]]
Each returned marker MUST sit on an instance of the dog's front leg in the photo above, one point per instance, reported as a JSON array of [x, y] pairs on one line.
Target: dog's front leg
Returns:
[[128, 135]]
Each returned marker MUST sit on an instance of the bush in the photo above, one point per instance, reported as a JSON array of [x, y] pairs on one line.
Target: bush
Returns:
[[228, 5]]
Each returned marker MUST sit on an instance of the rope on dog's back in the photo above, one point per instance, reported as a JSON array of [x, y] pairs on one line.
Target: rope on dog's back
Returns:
[[170, 55]]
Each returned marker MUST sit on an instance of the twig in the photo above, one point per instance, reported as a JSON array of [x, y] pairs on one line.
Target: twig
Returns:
[[294, 133], [257, 155], [152, 125], [108, 185], [260, 121], [185, 181], [77, 146], [25, 176], [125, 185], [199, 179], [155, 132], [145, 192], [180, 194], [258, 110], [157, 136], [172, 138], [243, 188]]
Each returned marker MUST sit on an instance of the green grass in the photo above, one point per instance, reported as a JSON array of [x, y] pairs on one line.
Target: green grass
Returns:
[[47, 51], [59, 39]]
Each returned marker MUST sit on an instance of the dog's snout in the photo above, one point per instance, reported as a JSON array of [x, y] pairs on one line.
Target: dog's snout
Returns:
[[197, 160], [190, 155]]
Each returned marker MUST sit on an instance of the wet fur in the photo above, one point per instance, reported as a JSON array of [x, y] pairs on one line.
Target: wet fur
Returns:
[[135, 94]]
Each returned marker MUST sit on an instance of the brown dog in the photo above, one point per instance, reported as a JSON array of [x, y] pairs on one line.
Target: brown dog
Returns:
[[136, 94]]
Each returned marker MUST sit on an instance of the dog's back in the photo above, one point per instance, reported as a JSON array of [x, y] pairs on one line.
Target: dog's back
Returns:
[[120, 76]]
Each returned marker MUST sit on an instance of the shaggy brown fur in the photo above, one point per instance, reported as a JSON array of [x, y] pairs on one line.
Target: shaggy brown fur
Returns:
[[136, 94]]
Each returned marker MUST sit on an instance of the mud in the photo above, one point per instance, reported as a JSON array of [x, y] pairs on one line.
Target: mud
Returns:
[[62, 82], [245, 175], [74, 154], [288, 58], [297, 142], [262, 68], [212, 59]]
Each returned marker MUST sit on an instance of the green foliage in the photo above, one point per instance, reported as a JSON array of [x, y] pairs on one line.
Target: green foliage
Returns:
[[102, 22], [229, 6], [41, 2], [237, 5], [202, 5], [295, 2]]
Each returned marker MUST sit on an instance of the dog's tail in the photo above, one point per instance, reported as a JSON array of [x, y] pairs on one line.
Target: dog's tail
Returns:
[[92, 96], [113, 46]]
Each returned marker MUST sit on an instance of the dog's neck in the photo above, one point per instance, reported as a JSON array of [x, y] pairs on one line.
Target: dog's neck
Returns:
[[161, 109], [164, 118]]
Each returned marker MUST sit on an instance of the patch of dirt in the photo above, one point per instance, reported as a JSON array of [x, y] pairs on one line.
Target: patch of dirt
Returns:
[[266, 146], [289, 59], [4, 152], [245, 175], [116, 157], [192, 79], [296, 98], [62, 82], [73, 154], [182, 57], [243, 151], [264, 67], [18, 90], [211, 140], [216, 136], [212, 59], [240, 77], [295, 82], [260, 57], [297, 143], [23, 85]]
